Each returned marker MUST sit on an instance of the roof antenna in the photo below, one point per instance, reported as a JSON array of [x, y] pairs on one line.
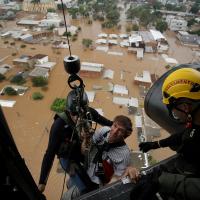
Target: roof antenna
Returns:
[[71, 62]]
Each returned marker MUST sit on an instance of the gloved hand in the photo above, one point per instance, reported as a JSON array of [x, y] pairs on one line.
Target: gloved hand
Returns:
[[146, 146], [147, 187]]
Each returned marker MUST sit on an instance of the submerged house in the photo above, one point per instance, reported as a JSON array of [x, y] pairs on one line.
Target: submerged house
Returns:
[[91, 69], [188, 39], [143, 79], [162, 44], [136, 41]]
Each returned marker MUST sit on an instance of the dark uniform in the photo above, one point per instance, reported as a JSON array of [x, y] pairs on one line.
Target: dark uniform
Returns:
[[60, 132], [178, 178]]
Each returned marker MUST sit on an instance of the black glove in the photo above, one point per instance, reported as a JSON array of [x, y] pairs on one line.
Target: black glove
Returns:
[[146, 146], [145, 189]]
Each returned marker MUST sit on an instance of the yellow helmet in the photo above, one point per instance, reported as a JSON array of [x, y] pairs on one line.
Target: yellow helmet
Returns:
[[184, 82]]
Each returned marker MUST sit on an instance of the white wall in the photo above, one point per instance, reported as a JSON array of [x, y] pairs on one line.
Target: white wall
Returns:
[[178, 25]]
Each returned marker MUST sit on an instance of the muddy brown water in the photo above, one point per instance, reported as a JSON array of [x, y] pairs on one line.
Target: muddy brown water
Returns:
[[30, 120]]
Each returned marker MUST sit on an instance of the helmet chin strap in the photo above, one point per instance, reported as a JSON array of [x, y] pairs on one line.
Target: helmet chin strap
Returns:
[[189, 121], [190, 117]]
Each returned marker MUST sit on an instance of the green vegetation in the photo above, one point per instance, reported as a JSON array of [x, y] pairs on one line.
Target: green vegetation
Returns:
[[191, 22], [51, 10], [68, 34], [143, 13], [12, 43], [161, 26], [59, 6], [87, 43], [195, 8], [18, 79], [171, 7], [10, 91], [23, 46], [58, 105], [37, 96], [195, 32], [135, 27], [51, 27], [98, 10], [35, 1], [128, 29], [2, 77], [73, 12], [74, 38], [157, 5], [39, 81]]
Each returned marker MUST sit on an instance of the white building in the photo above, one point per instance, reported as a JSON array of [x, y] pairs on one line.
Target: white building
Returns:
[[128, 102], [61, 30], [120, 89], [135, 40], [28, 22], [50, 22], [47, 65], [39, 71], [176, 24], [143, 79], [102, 35], [41, 58], [91, 69], [172, 2]]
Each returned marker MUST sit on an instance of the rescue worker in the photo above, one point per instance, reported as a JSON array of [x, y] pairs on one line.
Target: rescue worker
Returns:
[[180, 178], [64, 140]]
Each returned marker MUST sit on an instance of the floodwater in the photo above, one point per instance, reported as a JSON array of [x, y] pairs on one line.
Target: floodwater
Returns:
[[30, 120]]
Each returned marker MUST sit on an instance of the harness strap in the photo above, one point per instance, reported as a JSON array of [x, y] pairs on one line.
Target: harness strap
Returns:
[[100, 163], [66, 118]]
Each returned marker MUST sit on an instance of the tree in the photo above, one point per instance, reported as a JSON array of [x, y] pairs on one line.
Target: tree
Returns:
[[195, 8], [73, 12], [10, 91], [58, 105], [37, 96], [113, 16], [135, 27], [68, 34], [157, 5], [23, 46], [39, 81], [51, 10], [191, 22], [18, 79], [142, 12], [161, 26], [2, 77], [87, 42], [35, 1], [59, 6], [83, 11]]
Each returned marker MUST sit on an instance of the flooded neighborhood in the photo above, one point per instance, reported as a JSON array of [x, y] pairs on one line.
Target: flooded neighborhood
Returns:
[[118, 66]]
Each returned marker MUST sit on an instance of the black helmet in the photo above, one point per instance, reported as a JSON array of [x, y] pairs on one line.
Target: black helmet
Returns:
[[73, 102]]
